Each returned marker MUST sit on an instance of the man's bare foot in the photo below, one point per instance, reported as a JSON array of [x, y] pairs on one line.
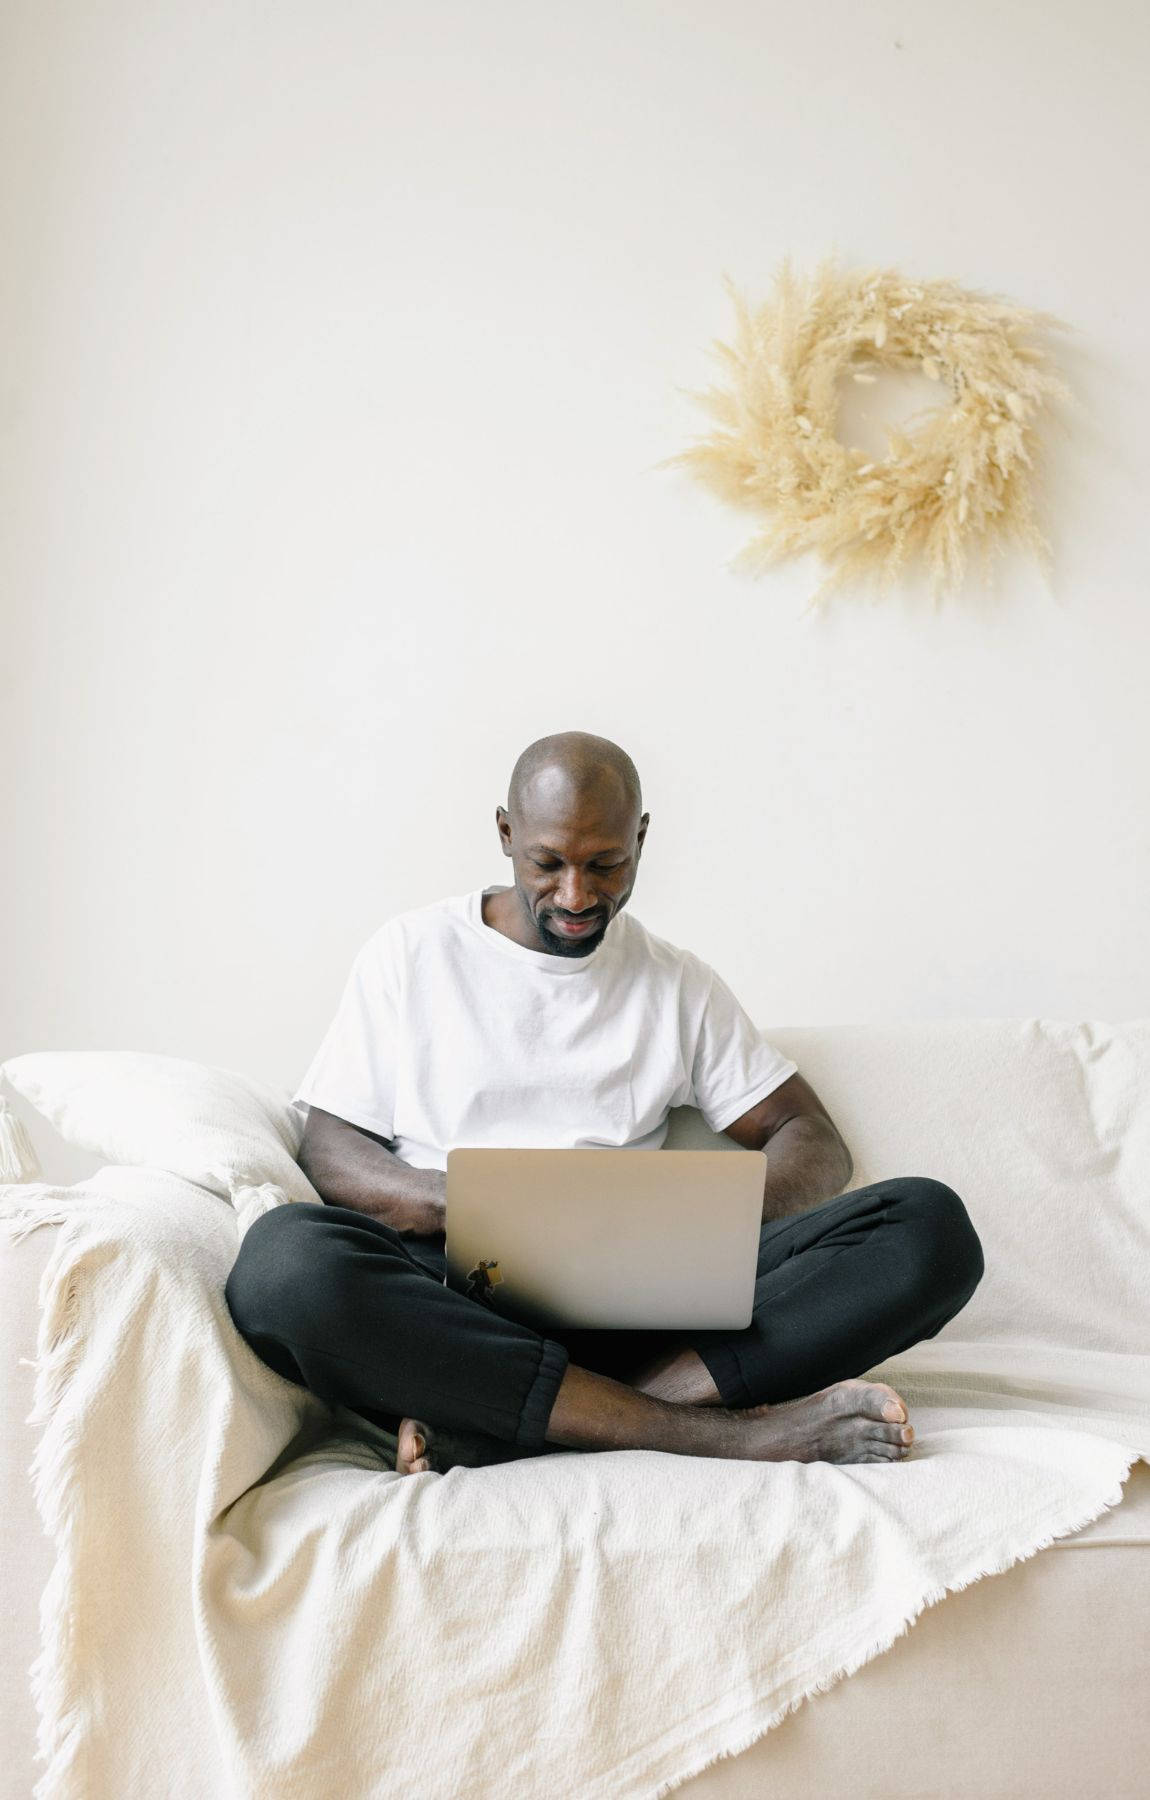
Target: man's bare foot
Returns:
[[678, 1375], [848, 1422], [851, 1421], [413, 1448], [421, 1447]]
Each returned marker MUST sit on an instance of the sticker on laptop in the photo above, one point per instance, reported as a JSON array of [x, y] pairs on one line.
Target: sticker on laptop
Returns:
[[482, 1281]]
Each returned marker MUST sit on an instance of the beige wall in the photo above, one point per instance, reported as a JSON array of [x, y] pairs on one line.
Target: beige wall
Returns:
[[338, 343]]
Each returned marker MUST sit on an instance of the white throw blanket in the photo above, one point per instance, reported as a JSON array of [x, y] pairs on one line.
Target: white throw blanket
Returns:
[[248, 1601]]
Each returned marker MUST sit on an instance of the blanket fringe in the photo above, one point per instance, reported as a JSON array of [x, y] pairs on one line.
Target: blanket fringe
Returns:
[[249, 1200], [885, 1640], [18, 1220], [18, 1159]]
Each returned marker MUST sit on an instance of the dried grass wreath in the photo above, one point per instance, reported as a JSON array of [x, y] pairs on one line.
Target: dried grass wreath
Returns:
[[961, 480]]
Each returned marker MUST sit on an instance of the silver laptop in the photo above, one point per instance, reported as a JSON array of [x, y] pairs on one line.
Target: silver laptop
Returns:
[[662, 1239]]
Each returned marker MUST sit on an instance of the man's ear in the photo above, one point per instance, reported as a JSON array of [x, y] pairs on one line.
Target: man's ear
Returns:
[[504, 836]]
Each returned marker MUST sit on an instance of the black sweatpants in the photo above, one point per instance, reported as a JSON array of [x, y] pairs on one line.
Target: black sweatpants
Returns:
[[349, 1308]]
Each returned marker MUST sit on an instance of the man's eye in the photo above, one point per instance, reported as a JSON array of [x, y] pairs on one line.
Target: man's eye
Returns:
[[599, 868]]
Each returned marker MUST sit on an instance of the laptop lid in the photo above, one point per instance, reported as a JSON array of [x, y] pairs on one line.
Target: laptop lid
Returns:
[[661, 1239]]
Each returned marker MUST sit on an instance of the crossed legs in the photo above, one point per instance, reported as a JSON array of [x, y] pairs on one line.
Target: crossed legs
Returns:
[[348, 1307]]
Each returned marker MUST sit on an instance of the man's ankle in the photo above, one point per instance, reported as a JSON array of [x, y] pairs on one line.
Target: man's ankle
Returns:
[[595, 1412]]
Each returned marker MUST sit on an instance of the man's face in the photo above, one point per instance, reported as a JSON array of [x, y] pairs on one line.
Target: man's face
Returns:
[[575, 855]]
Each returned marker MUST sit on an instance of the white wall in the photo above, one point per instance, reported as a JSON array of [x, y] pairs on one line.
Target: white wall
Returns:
[[339, 343]]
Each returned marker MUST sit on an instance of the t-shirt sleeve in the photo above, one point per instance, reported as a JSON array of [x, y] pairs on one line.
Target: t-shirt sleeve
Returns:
[[734, 1066], [353, 1072]]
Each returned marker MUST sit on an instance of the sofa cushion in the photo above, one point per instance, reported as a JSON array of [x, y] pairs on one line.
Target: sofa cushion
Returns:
[[1042, 1128], [222, 1130]]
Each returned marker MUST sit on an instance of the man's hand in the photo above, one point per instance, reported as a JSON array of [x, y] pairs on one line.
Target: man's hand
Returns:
[[350, 1166]]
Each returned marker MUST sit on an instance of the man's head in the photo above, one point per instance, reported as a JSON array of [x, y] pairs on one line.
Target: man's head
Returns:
[[574, 829]]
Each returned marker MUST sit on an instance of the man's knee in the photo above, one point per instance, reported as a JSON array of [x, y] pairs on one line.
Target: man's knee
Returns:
[[279, 1268], [951, 1251]]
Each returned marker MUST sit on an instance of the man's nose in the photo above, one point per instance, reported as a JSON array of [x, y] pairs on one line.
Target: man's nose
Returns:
[[573, 895]]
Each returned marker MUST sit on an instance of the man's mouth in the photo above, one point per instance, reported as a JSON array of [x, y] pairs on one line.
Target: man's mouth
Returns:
[[576, 927]]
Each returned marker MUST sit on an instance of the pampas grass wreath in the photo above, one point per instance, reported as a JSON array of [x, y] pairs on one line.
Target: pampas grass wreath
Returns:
[[963, 479]]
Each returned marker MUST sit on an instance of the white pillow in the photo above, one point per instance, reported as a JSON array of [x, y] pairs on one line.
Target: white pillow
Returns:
[[224, 1131]]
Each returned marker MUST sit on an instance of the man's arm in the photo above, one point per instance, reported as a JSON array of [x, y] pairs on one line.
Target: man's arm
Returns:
[[808, 1160], [348, 1166]]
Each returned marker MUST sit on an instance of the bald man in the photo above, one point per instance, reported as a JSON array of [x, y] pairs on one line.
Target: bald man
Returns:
[[543, 1014]]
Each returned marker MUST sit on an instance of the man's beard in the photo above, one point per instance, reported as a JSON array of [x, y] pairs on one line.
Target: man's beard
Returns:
[[559, 944]]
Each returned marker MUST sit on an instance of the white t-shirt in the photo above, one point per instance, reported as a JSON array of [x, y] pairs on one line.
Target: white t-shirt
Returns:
[[448, 1033]]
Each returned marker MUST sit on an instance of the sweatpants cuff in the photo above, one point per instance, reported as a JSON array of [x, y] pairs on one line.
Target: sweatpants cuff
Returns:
[[532, 1429], [722, 1366]]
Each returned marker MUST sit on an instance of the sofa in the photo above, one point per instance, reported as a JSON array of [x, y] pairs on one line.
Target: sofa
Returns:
[[1027, 1681]]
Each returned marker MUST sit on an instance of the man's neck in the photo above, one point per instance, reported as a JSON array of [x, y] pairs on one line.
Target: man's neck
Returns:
[[503, 912]]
